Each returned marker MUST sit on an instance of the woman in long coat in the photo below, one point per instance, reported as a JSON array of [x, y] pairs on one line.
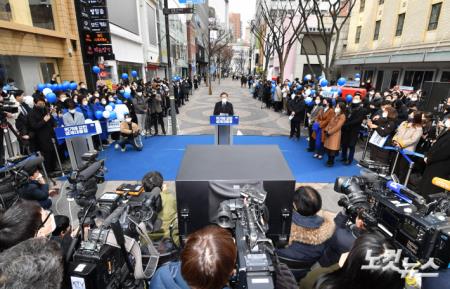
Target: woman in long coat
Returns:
[[332, 133], [322, 121]]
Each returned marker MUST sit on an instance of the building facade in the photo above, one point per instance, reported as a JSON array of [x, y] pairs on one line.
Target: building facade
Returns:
[[398, 42], [37, 40], [235, 26], [197, 38]]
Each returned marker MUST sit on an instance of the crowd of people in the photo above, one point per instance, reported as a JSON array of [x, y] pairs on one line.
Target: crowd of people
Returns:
[[32, 126], [336, 123]]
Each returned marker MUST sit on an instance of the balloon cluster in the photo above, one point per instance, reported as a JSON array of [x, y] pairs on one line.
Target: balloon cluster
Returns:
[[357, 77], [48, 89]]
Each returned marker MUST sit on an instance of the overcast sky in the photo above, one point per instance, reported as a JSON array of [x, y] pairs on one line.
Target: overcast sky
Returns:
[[245, 7]]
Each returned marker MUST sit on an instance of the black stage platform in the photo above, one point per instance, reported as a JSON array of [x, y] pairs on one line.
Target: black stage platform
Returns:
[[206, 167]]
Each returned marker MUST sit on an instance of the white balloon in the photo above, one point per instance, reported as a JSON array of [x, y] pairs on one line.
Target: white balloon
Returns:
[[46, 91], [357, 79], [106, 114], [308, 92], [108, 108]]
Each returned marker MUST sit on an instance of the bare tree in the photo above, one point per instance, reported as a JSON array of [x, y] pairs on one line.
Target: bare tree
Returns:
[[265, 41], [225, 59], [239, 61], [284, 22], [329, 17], [215, 47]]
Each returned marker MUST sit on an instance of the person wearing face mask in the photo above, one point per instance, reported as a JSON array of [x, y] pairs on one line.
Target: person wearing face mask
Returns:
[[385, 127], [297, 109], [72, 116], [38, 190], [312, 117], [42, 126], [85, 108], [332, 133], [129, 134], [350, 130], [437, 161], [323, 119], [223, 107], [140, 105]]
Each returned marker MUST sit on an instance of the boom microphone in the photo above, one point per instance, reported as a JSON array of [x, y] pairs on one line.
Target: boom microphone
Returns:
[[90, 171], [441, 183]]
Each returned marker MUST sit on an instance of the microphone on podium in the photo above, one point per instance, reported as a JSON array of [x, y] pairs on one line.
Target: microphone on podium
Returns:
[[441, 183]]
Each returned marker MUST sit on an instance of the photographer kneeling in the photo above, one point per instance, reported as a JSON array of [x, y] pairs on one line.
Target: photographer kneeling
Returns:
[[38, 190], [207, 262], [129, 134]]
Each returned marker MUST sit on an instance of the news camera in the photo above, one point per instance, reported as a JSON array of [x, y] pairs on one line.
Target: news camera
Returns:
[[247, 218], [6, 104], [420, 229], [117, 252], [15, 176]]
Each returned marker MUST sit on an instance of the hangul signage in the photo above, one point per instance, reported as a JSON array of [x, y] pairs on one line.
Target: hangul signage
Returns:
[[75, 131], [223, 120]]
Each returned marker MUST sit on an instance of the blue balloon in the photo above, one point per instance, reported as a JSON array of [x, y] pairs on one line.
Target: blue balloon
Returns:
[[119, 101], [134, 73], [65, 85], [96, 69], [112, 105], [323, 82], [48, 85], [41, 87], [51, 97], [349, 98], [289, 84], [73, 86], [98, 114], [127, 94], [112, 115], [357, 75], [313, 92], [54, 87], [341, 81], [124, 75]]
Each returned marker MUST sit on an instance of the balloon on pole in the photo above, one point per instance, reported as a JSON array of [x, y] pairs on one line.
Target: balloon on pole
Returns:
[[51, 97], [124, 76], [96, 69], [40, 87], [134, 73], [323, 82], [73, 86], [127, 94], [108, 108], [46, 91], [106, 114], [98, 114], [349, 98]]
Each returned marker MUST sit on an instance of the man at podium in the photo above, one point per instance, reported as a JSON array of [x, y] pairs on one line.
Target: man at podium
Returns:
[[223, 107]]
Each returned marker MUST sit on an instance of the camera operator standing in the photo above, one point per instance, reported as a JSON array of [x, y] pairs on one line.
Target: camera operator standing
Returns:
[[140, 108], [4, 117], [22, 125]]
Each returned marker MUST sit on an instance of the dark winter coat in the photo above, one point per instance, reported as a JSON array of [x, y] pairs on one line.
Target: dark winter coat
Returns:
[[437, 164], [227, 108], [22, 124], [385, 128], [297, 105], [352, 125], [42, 131], [307, 244], [35, 191]]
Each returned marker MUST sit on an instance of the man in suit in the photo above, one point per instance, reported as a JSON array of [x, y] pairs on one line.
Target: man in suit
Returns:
[[223, 106], [72, 116]]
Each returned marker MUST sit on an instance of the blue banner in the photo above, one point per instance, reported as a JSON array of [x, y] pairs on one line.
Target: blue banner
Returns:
[[223, 120], [75, 130]]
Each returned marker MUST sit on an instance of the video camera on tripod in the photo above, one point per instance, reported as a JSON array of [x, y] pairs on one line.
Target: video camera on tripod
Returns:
[[247, 217], [117, 252], [420, 229], [6, 105], [14, 176]]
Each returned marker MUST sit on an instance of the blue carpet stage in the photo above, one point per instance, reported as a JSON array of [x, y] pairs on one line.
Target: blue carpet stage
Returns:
[[164, 154]]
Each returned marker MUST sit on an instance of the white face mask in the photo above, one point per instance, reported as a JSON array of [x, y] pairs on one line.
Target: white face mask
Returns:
[[337, 110], [385, 114], [72, 110], [103, 101], [63, 98], [139, 93], [293, 96], [85, 102], [96, 94], [356, 101], [317, 101], [128, 119], [224, 100], [447, 123]]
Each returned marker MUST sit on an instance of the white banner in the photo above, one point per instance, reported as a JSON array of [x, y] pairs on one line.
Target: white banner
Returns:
[[378, 140]]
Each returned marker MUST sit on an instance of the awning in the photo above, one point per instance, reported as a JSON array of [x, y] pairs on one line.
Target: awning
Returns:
[[423, 56]]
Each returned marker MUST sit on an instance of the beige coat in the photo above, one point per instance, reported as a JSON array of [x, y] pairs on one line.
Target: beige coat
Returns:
[[408, 136], [333, 141]]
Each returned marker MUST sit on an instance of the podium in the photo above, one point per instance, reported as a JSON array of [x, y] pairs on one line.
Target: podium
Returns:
[[224, 128], [78, 140]]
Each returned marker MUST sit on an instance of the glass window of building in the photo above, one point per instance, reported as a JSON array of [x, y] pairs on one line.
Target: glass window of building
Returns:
[[445, 77], [394, 78], [376, 33], [358, 34], [47, 70], [5, 10], [400, 22], [417, 78], [434, 17], [42, 13]]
